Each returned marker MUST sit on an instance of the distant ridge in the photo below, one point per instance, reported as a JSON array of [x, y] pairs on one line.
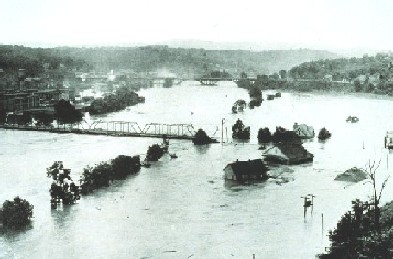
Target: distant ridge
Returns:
[[177, 60]]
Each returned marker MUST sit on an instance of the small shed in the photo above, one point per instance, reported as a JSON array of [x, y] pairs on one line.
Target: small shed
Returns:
[[288, 154], [246, 170]]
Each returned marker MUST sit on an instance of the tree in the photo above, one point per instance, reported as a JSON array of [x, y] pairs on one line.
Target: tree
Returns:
[[358, 86], [154, 153], [123, 166], [371, 170], [3, 116], [66, 112], [16, 213], [44, 119]]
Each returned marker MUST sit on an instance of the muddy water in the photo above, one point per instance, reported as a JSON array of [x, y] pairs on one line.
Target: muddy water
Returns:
[[182, 207]]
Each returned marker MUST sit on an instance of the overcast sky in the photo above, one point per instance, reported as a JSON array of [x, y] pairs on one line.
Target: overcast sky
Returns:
[[275, 24]]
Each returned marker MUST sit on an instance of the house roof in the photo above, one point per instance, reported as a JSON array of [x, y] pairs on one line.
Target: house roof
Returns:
[[293, 151], [304, 129], [255, 166]]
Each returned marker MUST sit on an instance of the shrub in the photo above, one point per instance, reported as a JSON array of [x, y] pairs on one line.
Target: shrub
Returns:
[[16, 213]]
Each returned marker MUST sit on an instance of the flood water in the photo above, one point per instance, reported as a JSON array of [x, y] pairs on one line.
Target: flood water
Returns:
[[183, 208]]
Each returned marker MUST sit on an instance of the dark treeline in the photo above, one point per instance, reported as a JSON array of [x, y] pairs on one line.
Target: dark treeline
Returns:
[[33, 60], [341, 68], [152, 58], [103, 173]]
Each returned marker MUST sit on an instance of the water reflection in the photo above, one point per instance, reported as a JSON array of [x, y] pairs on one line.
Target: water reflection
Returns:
[[13, 235], [62, 215], [237, 186], [240, 141], [202, 149]]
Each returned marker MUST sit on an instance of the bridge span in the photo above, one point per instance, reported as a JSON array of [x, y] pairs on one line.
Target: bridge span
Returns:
[[115, 128]]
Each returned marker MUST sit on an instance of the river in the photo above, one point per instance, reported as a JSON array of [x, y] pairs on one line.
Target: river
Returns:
[[183, 208]]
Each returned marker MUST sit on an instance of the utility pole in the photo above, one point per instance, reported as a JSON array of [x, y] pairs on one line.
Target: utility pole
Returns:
[[222, 130]]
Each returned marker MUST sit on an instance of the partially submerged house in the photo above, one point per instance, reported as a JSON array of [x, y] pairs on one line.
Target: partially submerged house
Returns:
[[304, 131], [288, 154], [246, 170]]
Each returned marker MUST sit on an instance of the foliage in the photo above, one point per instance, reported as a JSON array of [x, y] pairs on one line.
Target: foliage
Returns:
[[358, 86], [255, 92], [154, 153], [3, 116], [123, 166], [66, 112], [17, 213], [63, 189], [96, 177], [281, 135], [357, 236], [13, 58], [264, 135], [367, 230], [240, 131], [243, 83], [201, 138], [43, 119], [102, 174], [371, 170]]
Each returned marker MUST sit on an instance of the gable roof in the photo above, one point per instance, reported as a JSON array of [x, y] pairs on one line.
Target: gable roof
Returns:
[[304, 130], [293, 151]]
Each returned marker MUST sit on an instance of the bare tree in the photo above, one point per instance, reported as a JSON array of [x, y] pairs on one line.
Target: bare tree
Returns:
[[371, 170]]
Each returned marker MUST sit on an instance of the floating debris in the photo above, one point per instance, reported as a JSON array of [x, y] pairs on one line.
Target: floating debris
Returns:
[[352, 119], [353, 174]]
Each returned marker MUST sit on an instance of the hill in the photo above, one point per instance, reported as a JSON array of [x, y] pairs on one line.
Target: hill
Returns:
[[181, 61]]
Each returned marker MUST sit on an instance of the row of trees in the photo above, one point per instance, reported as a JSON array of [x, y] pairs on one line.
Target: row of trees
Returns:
[[348, 68], [102, 174], [35, 60]]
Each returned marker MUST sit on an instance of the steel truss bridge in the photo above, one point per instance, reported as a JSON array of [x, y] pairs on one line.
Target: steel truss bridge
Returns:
[[116, 129]]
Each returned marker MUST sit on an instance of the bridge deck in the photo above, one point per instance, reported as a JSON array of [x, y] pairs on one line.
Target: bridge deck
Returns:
[[92, 132]]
